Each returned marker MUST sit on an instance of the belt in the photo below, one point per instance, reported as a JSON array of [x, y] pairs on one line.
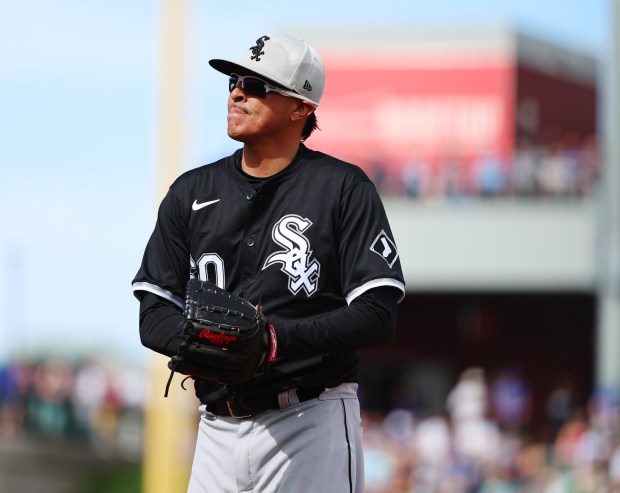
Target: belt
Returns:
[[240, 407]]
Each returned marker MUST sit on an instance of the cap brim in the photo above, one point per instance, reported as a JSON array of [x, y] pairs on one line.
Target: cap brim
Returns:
[[227, 67]]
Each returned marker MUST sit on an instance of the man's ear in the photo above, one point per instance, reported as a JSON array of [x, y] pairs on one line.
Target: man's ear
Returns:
[[302, 110]]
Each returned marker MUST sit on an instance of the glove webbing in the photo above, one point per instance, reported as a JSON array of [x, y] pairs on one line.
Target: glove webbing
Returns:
[[219, 310]]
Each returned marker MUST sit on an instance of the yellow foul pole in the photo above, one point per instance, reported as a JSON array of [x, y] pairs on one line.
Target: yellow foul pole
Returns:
[[170, 423]]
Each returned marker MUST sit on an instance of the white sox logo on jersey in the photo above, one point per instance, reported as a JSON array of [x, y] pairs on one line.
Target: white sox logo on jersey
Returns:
[[385, 247], [303, 272]]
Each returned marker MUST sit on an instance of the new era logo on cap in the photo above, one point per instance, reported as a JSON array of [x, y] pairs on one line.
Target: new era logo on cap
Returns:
[[307, 86]]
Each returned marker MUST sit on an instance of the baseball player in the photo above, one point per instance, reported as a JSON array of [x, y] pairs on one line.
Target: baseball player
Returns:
[[304, 235]]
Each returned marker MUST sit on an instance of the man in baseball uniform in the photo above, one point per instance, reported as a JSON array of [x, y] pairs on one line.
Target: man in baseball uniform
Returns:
[[304, 234]]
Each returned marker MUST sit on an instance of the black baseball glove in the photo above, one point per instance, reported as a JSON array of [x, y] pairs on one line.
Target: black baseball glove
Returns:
[[225, 338]]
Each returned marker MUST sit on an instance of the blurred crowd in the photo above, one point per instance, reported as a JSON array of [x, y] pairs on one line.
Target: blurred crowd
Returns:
[[88, 402], [566, 168], [482, 444]]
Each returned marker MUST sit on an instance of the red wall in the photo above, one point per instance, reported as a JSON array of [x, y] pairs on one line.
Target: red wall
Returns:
[[394, 113], [561, 107]]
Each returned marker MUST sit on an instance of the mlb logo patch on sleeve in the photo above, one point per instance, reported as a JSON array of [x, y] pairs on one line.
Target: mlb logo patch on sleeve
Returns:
[[385, 247]]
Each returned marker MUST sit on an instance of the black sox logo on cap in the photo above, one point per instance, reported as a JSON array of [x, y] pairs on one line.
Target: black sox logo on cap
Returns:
[[257, 50]]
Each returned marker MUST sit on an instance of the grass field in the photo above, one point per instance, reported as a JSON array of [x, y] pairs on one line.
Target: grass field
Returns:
[[118, 479]]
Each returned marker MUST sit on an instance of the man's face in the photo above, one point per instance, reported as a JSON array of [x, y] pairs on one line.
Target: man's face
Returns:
[[253, 118]]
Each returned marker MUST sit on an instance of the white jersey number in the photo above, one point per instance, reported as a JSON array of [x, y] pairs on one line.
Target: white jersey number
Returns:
[[210, 267]]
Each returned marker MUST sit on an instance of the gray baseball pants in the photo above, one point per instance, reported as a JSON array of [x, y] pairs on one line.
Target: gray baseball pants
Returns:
[[315, 446]]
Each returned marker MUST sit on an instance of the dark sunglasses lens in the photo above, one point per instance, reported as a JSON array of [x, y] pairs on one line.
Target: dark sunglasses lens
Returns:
[[251, 86], [233, 80], [254, 87]]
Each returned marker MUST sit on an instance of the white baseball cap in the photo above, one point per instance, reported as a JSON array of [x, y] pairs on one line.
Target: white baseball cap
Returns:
[[284, 60]]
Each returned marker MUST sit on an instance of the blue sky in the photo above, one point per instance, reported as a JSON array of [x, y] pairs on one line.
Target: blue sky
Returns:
[[79, 131]]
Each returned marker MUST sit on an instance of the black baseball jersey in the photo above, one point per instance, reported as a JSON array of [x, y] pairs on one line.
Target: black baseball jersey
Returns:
[[306, 242]]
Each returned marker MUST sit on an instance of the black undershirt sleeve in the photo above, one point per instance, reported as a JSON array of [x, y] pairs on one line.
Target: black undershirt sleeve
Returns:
[[369, 320], [160, 323]]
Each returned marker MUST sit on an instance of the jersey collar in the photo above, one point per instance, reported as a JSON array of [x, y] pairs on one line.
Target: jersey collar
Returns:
[[234, 165]]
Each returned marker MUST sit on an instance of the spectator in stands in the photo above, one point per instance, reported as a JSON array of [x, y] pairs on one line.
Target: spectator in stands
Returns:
[[525, 168], [511, 400], [489, 177]]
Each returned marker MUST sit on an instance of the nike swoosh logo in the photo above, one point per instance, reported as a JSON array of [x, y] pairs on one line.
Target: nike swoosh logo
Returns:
[[196, 206]]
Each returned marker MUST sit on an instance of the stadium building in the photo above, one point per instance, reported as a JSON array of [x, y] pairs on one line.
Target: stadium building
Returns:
[[483, 144]]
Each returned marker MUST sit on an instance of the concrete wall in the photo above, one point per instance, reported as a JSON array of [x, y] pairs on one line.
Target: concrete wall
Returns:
[[496, 245]]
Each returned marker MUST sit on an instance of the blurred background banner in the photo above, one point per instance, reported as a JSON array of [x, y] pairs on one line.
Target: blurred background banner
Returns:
[[489, 130], [445, 108]]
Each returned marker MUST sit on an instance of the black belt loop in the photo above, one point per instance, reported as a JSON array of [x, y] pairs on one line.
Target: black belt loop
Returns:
[[288, 398], [237, 408]]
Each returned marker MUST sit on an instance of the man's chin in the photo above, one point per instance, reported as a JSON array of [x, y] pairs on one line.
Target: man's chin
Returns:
[[235, 136]]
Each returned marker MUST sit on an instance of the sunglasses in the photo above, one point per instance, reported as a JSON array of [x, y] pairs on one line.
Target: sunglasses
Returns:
[[258, 88]]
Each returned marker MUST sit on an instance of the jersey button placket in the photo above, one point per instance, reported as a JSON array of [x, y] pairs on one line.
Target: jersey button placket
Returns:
[[250, 196]]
